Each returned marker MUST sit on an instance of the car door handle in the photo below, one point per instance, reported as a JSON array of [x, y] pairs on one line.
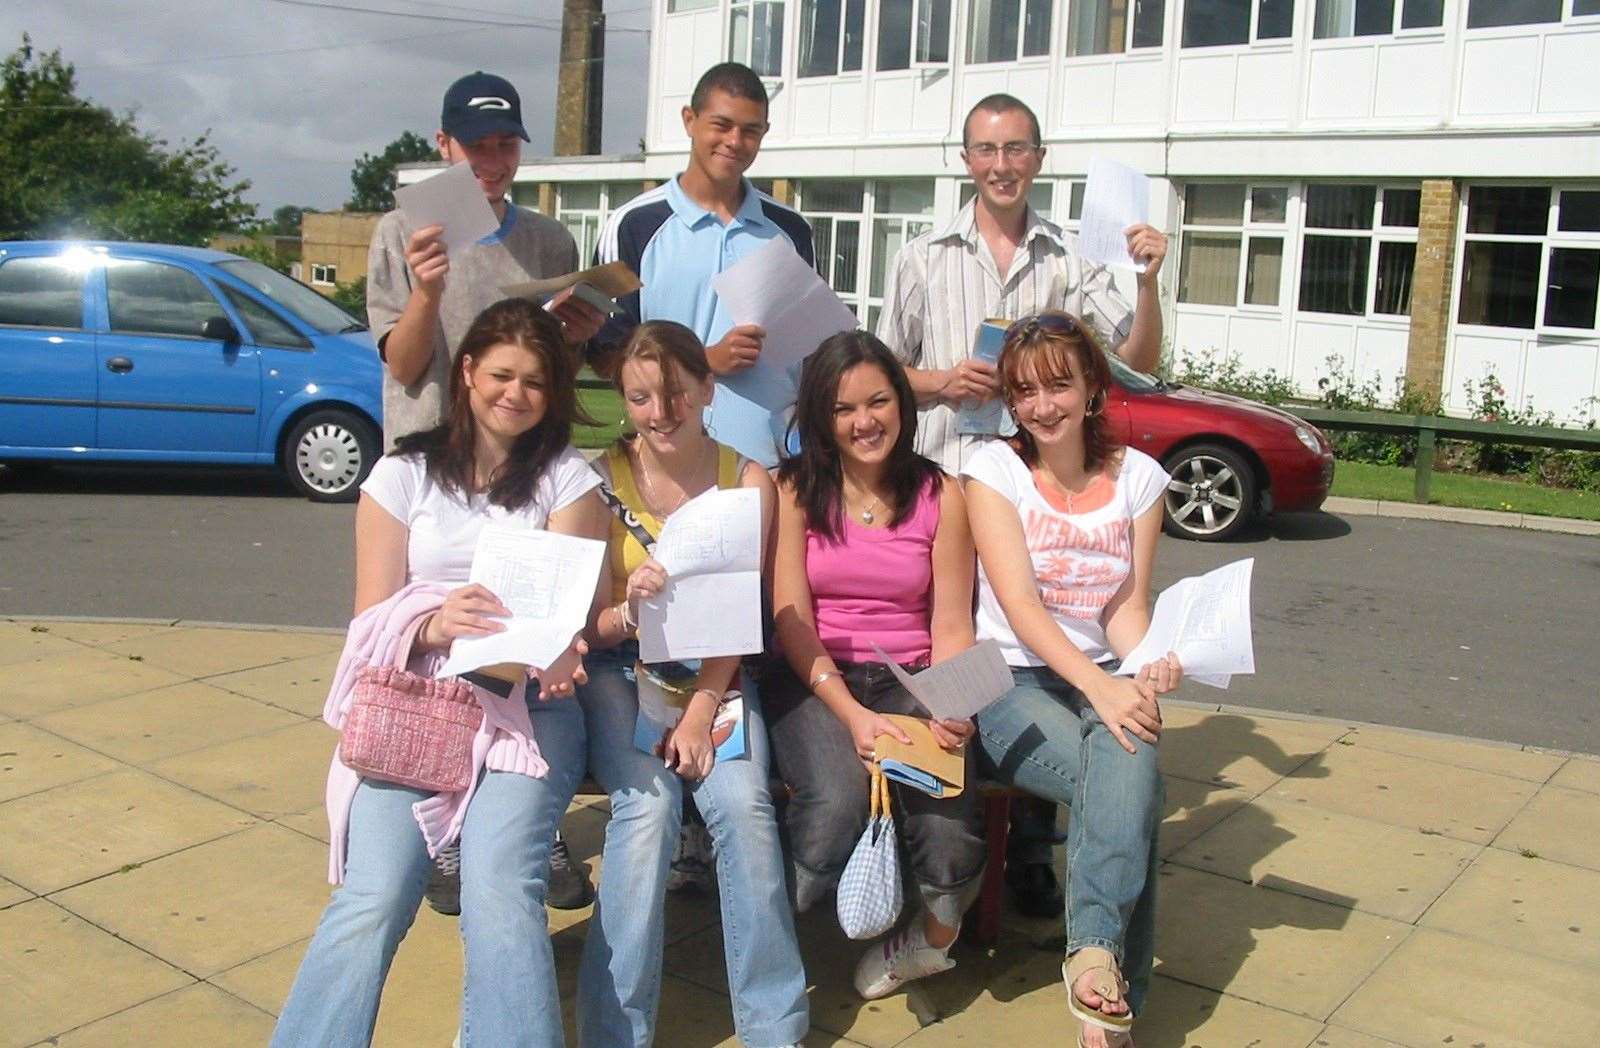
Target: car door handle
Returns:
[[121, 365]]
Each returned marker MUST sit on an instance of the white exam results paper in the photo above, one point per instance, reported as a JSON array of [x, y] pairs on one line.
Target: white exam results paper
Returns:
[[774, 287], [1114, 198], [711, 604], [960, 686], [546, 579], [452, 199], [1205, 620]]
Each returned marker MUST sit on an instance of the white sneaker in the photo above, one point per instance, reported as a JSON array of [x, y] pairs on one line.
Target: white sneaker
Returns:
[[897, 960], [694, 862]]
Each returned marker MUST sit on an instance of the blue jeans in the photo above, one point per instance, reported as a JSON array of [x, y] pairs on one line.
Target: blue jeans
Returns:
[[1044, 737], [510, 998], [619, 980]]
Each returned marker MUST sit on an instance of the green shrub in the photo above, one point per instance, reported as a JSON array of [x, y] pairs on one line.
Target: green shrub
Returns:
[[1224, 372]]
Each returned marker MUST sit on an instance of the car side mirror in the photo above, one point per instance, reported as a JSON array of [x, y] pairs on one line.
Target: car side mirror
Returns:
[[220, 329]]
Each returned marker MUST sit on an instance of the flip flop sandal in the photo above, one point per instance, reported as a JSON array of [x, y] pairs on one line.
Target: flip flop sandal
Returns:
[[1107, 982]]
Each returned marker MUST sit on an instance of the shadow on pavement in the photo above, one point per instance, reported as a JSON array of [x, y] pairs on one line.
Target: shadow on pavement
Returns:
[[1318, 526], [32, 479]]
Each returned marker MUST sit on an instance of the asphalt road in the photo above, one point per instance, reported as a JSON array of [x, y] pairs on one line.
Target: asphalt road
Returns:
[[1468, 630]]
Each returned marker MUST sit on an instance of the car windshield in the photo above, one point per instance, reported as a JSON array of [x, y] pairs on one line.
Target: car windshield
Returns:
[[325, 317], [1131, 380]]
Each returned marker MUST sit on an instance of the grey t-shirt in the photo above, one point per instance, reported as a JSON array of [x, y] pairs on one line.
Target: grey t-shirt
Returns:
[[528, 246]]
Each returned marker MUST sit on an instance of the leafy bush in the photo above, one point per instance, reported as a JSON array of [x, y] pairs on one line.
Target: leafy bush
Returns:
[[1225, 373]]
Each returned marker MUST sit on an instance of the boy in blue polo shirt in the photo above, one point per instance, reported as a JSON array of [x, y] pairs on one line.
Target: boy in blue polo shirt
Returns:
[[681, 234]]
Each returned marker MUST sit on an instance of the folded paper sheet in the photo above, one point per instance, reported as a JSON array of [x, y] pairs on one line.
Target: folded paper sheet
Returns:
[[960, 686], [711, 605], [1205, 620]]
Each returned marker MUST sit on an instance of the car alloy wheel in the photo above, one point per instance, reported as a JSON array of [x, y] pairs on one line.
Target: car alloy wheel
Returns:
[[1211, 494], [329, 454]]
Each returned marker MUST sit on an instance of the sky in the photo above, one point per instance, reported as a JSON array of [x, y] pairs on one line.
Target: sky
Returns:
[[294, 91]]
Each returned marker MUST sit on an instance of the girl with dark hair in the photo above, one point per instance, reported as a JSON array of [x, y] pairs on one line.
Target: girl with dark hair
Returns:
[[501, 456], [1065, 522], [666, 384], [873, 548]]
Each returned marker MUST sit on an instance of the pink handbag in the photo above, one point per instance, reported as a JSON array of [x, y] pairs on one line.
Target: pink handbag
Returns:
[[409, 729]]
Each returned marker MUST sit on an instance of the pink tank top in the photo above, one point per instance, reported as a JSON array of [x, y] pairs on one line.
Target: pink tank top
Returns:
[[874, 585]]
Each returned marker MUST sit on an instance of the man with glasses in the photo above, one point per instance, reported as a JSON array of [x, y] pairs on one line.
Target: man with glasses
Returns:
[[1000, 258]]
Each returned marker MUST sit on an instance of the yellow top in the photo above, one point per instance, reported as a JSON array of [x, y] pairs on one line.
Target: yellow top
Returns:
[[624, 550]]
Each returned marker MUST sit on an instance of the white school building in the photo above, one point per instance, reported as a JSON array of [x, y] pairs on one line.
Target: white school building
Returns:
[[1409, 186]]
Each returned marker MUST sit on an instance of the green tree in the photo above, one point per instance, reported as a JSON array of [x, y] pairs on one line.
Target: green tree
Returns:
[[352, 296], [71, 168], [373, 177], [262, 251], [285, 220]]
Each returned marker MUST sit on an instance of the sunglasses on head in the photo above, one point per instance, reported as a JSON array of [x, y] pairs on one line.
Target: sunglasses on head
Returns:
[[1055, 323]]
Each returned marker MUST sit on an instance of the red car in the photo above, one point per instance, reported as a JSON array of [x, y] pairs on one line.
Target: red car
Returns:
[[1230, 458]]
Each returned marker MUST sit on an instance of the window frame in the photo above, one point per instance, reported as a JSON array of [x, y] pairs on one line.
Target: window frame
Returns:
[[59, 261], [839, 52], [1128, 48], [1253, 40], [875, 37], [1376, 233], [1248, 229], [112, 262], [749, 7], [1553, 238], [325, 274], [1396, 29], [1052, 9], [1568, 16]]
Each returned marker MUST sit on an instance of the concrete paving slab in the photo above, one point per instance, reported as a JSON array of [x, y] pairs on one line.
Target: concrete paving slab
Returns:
[[1533, 905], [1192, 808], [86, 676], [1579, 773], [1443, 989], [988, 999], [198, 1016], [313, 822], [422, 999], [98, 634], [88, 829], [1407, 791], [1248, 753], [32, 760], [60, 972], [22, 643], [277, 773], [1370, 866], [1462, 753], [1558, 824], [264, 981], [11, 894], [215, 906], [1339, 1037], [298, 685], [203, 652], [1266, 945], [141, 729], [1180, 1014]]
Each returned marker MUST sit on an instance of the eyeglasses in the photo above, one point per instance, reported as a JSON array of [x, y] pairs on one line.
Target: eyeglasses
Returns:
[[1012, 150], [1055, 323]]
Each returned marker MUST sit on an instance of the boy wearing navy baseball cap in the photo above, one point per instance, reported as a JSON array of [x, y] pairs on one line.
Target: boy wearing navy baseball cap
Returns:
[[420, 300]]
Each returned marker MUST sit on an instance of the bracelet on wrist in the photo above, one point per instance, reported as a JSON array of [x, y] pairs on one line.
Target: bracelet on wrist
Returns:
[[628, 625], [825, 675]]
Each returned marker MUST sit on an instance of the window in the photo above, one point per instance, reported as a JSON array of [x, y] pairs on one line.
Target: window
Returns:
[[151, 298], [41, 292], [1040, 195], [836, 210], [1358, 239], [679, 6], [913, 32], [1342, 18], [1216, 23], [1233, 241], [755, 35], [266, 327], [1526, 264], [579, 207], [323, 273], [901, 211], [1482, 14], [832, 34], [1103, 27], [1005, 30]]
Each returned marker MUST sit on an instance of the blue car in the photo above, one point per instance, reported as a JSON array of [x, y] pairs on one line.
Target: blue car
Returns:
[[152, 353]]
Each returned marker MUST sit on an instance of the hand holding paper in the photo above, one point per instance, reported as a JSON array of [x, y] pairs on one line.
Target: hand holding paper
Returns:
[[960, 686], [1205, 620], [1114, 198], [451, 199], [711, 605]]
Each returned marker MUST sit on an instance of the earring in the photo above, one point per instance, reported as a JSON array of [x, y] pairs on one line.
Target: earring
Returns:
[[1097, 410]]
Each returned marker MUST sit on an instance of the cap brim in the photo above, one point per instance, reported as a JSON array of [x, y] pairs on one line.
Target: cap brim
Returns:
[[483, 125]]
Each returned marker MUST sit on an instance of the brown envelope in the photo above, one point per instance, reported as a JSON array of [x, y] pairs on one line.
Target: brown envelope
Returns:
[[925, 754]]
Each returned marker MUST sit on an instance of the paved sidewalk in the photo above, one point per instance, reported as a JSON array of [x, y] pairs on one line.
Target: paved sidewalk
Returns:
[[1324, 884]]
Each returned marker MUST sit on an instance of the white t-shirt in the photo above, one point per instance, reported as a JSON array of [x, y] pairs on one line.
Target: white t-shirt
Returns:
[[443, 528], [1080, 557]]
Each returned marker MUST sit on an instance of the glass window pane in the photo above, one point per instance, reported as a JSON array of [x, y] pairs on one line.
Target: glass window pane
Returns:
[[992, 32], [619, 193], [1392, 296], [903, 197], [1580, 210], [819, 37], [1040, 195], [578, 195], [888, 237], [1340, 207], [1421, 14], [846, 255], [855, 34], [265, 326], [933, 31], [156, 299], [822, 245], [1209, 275], [1149, 18], [1269, 204], [1508, 209], [1586, 7], [1075, 207], [821, 194], [1333, 275], [1499, 284], [1036, 28], [1569, 294], [1481, 13], [1275, 20], [1341, 18], [1263, 271], [674, 6], [766, 39], [739, 32], [1213, 23], [1097, 27], [41, 292], [1402, 207], [1213, 204], [968, 191], [894, 34]]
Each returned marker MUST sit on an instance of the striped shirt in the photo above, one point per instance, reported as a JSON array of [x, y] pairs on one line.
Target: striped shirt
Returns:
[[944, 283]]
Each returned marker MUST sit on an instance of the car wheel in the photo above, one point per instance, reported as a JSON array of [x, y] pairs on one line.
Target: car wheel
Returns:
[[328, 454], [1212, 493]]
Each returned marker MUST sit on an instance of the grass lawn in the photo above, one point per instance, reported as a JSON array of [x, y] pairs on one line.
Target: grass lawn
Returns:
[[604, 405], [1361, 480]]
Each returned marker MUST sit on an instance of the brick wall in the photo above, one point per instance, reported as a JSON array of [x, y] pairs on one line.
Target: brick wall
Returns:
[[1431, 282], [339, 239]]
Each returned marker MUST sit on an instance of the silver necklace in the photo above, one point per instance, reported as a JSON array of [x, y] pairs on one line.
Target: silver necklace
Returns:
[[865, 513]]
